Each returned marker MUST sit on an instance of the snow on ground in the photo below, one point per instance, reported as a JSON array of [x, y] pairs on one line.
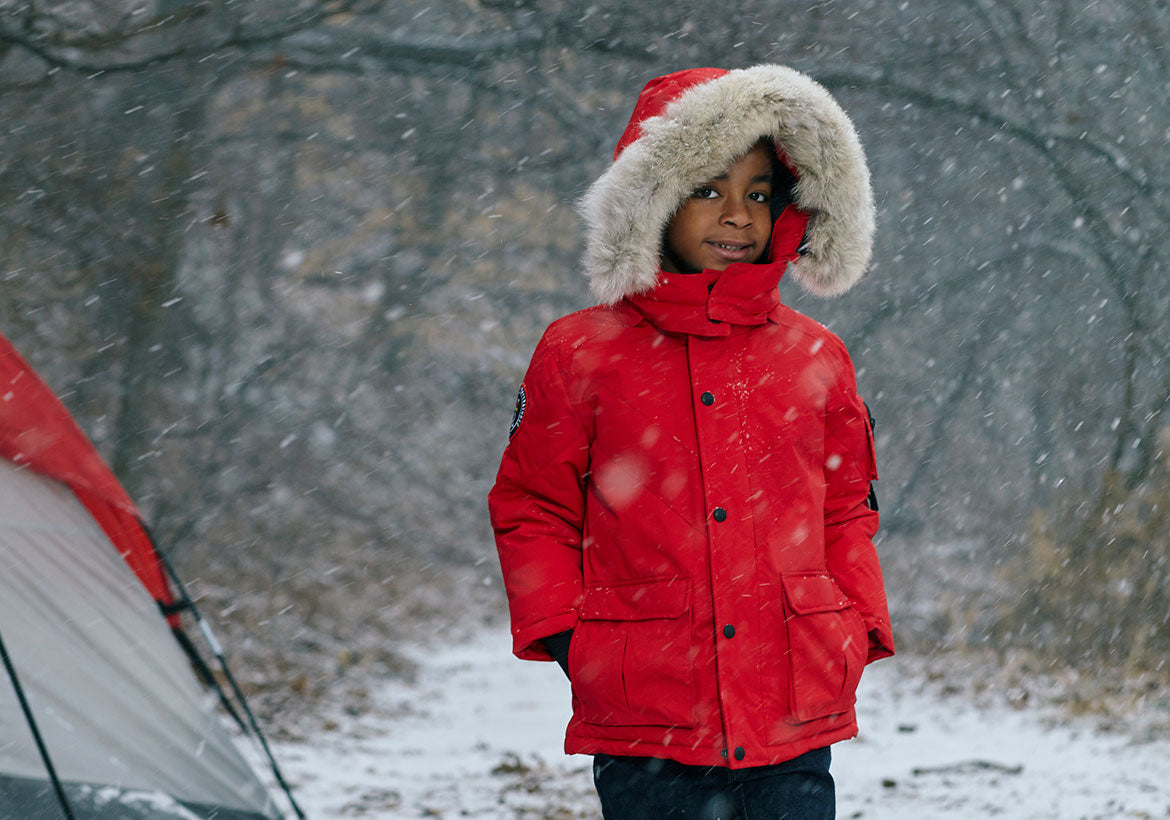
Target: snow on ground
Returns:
[[479, 735]]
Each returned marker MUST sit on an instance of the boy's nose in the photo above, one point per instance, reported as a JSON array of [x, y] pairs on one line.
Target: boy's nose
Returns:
[[736, 215]]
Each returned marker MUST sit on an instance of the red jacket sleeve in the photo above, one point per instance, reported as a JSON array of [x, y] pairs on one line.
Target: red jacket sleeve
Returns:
[[850, 524], [537, 506]]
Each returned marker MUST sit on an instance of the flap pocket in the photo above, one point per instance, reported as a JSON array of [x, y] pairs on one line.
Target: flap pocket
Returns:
[[640, 600], [813, 592]]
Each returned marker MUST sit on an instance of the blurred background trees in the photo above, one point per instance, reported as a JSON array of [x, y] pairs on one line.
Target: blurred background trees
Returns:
[[286, 262]]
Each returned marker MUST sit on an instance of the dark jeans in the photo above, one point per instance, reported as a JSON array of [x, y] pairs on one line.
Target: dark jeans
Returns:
[[649, 788]]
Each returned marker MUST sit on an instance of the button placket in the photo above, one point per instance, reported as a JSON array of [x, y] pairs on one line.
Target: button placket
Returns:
[[724, 476]]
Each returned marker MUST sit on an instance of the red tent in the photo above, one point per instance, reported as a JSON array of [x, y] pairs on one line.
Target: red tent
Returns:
[[105, 717], [36, 431]]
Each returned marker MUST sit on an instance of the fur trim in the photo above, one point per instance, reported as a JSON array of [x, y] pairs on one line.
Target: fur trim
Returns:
[[700, 134]]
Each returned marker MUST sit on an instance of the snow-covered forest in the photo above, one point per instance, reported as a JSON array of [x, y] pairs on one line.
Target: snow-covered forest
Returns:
[[286, 262]]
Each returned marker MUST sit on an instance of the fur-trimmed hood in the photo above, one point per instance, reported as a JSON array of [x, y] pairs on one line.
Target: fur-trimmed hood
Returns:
[[689, 127]]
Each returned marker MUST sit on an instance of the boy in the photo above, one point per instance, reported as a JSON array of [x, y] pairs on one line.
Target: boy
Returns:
[[683, 512]]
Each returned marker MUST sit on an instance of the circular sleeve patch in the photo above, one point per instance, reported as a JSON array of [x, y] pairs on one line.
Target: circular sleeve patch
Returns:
[[518, 412]]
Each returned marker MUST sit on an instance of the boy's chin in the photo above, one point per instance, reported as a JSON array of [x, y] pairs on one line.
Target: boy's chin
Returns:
[[671, 265]]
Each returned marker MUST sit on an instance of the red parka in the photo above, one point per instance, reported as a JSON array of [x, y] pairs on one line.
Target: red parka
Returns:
[[686, 482]]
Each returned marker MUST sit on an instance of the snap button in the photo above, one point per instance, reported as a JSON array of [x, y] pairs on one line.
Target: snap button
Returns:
[[723, 752], [719, 514], [707, 399], [729, 631], [740, 754]]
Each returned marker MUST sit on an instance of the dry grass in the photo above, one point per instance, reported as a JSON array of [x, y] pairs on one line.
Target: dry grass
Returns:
[[300, 631], [1090, 602], [1098, 596]]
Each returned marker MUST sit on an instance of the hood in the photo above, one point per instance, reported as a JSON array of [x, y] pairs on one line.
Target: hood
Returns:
[[688, 127]]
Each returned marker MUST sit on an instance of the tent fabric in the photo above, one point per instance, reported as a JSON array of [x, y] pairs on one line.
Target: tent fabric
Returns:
[[129, 729], [112, 692]]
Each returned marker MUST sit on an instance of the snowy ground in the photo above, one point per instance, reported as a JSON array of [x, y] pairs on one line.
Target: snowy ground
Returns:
[[479, 735]]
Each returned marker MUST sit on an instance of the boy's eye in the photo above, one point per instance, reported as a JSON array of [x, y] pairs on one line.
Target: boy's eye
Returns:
[[759, 196], [704, 192]]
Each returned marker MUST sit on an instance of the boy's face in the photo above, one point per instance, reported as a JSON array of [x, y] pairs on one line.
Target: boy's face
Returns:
[[725, 220]]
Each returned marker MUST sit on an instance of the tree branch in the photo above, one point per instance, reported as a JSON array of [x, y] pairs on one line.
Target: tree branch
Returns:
[[48, 48]]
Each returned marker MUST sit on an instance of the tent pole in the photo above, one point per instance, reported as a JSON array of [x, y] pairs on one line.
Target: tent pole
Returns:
[[36, 733], [203, 670], [217, 650]]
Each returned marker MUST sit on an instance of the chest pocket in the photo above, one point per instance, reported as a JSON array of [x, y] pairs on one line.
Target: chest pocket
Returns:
[[872, 464]]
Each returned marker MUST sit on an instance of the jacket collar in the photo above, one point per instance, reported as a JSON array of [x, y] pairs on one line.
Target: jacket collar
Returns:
[[710, 303]]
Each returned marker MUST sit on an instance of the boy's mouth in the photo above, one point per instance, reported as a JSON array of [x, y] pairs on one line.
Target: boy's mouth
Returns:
[[731, 251]]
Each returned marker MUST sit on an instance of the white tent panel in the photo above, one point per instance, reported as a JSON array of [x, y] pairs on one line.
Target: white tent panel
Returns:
[[113, 694]]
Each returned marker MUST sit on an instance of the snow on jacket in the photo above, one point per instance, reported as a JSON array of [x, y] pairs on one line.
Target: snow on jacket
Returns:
[[685, 486]]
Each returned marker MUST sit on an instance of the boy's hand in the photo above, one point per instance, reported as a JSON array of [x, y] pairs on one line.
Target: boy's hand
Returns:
[[558, 646]]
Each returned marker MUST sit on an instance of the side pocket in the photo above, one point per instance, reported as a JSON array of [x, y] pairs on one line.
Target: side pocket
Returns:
[[629, 661], [826, 647]]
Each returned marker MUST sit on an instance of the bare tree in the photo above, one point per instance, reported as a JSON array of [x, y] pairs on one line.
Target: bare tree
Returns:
[[286, 260]]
